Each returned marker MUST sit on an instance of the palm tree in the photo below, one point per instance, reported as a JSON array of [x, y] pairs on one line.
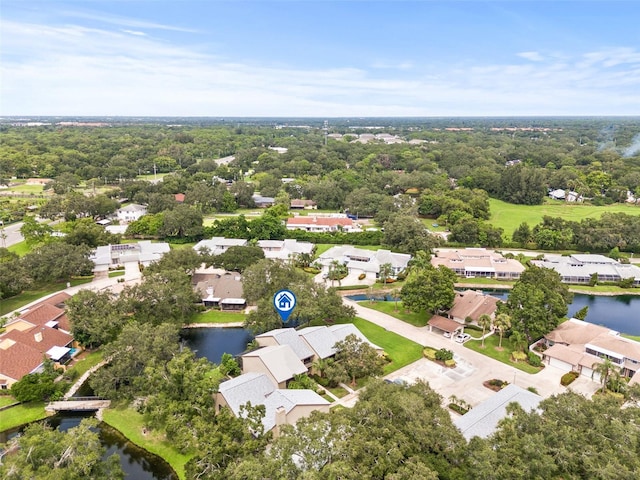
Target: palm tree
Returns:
[[485, 322], [386, 270], [502, 323], [519, 341], [395, 293], [605, 370]]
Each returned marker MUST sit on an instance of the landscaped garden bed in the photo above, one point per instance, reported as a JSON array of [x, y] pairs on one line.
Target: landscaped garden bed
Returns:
[[495, 384]]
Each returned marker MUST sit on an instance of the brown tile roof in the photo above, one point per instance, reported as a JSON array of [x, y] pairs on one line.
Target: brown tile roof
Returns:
[[444, 324], [576, 332], [40, 338], [564, 353], [57, 299], [42, 313], [302, 203], [228, 285], [19, 360], [473, 304], [614, 343]]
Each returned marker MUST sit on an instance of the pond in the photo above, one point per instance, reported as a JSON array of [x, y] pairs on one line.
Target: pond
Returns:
[[211, 343], [620, 312], [138, 464]]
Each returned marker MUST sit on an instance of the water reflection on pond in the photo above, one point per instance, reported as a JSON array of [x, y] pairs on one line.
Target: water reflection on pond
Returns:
[[138, 464], [211, 343]]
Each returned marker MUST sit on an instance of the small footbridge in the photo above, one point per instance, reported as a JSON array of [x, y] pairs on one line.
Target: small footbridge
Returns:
[[78, 404]]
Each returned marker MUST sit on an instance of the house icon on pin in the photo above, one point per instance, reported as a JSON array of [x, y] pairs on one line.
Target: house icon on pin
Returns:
[[284, 302]]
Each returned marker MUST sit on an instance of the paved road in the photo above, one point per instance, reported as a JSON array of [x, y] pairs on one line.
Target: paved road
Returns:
[[465, 381], [10, 234]]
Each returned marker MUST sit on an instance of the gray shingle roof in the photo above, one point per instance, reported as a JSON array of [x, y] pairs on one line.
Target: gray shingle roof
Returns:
[[289, 336], [280, 360], [482, 420]]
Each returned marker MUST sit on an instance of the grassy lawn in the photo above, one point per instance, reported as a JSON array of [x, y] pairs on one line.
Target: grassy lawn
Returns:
[[181, 246], [631, 337], [7, 400], [87, 362], [117, 273], [613, 289], [491, 350], [130, 423], [216, 316], [483, 281], [338, 392], [509, 217], [28, 296], [20, 248], [416, 319], [401, 350], [21, 415]]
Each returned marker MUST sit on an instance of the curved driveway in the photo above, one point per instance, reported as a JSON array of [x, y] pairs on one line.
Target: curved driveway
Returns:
[[465, 381]]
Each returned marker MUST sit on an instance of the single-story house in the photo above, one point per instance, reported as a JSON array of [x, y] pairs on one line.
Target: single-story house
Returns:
[[478, 262], [579, 268], [218, 245], [144, 252], [131, 213], [358, 260], [278, 362], [220, 289], [576, 345], [299, 204], [285, 249], [322, 224], [281, 406], [263, 202], [472, 304], [287, 336], [482, 420], [557, 194]]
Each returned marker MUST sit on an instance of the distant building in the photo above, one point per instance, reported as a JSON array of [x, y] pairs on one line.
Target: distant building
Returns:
[[218, 245], [220, 290], [557, 194], [358, 260], [322, 224], [144, 252], [131, 213], [478, 262], [285, 249], [263, 202], [299, 204], [579, 268]]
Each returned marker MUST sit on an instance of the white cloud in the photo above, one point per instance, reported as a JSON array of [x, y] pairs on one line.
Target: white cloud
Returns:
[[533, 56], [76, 70]]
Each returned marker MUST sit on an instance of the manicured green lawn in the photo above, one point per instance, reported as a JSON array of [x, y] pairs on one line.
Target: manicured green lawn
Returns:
[[216, 316], [28, 296], [20, 248], [7, 400], [491, 350], [483, 281], [416, 319], [87, 362], [401, 350], [116, 273], [631, 337], [130, 423], [508, 216], [21, 415], [181, 246]]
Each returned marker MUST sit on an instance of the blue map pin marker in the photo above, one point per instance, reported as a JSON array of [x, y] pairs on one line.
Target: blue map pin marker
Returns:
[[284, 301]]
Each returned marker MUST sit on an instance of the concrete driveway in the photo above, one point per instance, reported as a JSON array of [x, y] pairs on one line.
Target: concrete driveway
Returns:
[[466, 380]]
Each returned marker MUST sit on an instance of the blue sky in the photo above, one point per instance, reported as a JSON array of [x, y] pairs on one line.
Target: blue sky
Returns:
[[319, 58]]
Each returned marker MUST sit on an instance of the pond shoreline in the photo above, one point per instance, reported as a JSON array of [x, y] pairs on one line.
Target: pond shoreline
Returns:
[[215, 325]]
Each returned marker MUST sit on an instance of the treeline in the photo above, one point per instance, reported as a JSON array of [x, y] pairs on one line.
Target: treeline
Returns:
[[617, 231]]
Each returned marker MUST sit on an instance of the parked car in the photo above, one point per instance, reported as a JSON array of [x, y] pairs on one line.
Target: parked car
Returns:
[[462, 337], [447, 334]]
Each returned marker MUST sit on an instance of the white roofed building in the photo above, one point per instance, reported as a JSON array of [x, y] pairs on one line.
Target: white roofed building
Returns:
[[358, 260], [144, 252], [579, 268], [218, 245]]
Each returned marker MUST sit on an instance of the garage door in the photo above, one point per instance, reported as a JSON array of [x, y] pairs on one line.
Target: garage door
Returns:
[[564, 366]]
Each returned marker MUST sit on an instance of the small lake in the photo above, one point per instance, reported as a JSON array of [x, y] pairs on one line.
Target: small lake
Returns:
[[211, 343], [138, 464], [620, 312]]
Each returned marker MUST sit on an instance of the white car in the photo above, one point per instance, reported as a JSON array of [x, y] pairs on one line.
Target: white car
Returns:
[[447, 334], [462, 337]]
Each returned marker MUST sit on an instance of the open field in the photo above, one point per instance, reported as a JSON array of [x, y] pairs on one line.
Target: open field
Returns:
[[418, 319], [216, 316], [508, 216]]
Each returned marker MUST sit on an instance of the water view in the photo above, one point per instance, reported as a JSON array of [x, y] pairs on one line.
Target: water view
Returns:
[[620, 313], [138, 464], [211, 343]]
